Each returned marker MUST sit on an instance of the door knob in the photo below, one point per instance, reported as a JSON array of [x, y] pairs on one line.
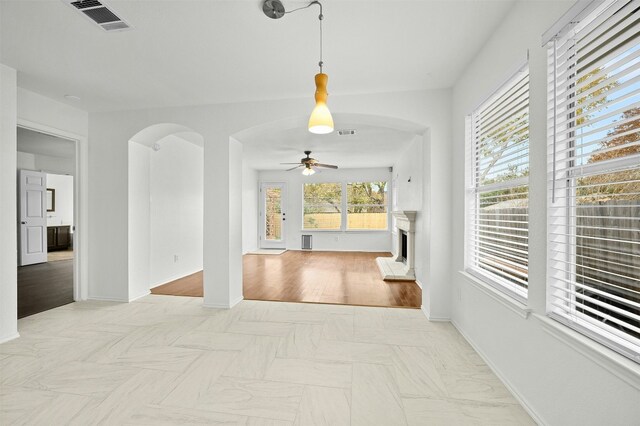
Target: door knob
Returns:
[[24, 223]]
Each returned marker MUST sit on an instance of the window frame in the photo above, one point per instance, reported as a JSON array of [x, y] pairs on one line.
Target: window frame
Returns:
[[562, 211], [340, 228], [473, 191], [347, 205], [343, 208]]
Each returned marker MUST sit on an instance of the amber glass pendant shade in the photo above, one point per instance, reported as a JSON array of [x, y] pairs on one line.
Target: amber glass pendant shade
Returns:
[[321, 121]]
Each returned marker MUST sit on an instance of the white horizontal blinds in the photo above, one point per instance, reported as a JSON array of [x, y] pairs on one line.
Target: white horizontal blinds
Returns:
[[498, 216], [594, 176]]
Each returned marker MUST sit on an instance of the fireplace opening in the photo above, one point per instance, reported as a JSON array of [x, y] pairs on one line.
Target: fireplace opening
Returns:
[[403, 247]]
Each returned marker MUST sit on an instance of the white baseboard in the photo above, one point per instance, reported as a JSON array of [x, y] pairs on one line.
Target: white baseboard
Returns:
[[536, 417], [9, 338], [107, 299], [224, 305], [131, 299], [427, 314], [235, 302]]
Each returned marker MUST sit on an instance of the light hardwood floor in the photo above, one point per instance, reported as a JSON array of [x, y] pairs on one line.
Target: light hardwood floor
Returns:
[[191, 285], [165, 360], [350, 278]]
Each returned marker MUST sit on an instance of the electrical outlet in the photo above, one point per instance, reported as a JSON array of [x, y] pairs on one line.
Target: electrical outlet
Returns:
[[175, 258], [337, 239]]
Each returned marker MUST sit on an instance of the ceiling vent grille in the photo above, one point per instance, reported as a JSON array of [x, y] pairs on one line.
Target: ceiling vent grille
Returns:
[[100, 14], [346, 132], [84, 4]]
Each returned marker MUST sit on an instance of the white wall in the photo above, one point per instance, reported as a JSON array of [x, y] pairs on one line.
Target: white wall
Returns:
[[8, 211], [35, 108], [408, 172], [63, 214], [234, 224], [249, 209], [176, 213], [562, 378], [57, 165], [26, 160], [328, 240], [139, 247]]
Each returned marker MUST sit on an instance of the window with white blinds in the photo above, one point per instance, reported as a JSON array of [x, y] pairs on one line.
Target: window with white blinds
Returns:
[[497, 230], [594, 175]]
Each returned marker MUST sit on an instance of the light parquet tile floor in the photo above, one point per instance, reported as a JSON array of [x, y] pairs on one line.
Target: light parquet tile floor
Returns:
[[166, 360]]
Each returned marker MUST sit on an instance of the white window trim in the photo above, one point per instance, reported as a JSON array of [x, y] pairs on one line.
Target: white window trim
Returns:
[[515, 293], [580, 326]]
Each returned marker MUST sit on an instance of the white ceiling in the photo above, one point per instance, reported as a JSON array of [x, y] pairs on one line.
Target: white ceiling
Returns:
[[199, 52], [378, 142], [41, 144]]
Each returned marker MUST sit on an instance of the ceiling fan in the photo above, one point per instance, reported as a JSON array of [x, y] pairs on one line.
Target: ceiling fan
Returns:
[[310, 165]]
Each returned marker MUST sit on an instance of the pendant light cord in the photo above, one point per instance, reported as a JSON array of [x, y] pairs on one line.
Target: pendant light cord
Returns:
[[320, 18]]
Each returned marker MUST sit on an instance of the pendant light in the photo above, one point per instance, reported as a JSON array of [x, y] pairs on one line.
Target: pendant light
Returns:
[[320, 121]]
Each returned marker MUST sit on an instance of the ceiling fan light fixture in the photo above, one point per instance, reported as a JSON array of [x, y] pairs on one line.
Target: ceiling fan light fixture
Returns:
[[308, 171]]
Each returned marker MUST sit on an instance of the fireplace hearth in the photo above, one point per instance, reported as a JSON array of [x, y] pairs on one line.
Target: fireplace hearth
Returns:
[[400, 267]]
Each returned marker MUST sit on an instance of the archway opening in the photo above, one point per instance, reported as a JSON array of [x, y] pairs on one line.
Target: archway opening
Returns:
[[165, 211], [317, 238]]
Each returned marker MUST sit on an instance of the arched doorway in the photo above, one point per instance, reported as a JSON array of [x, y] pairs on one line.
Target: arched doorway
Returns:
[[165, 209], [324, 216]]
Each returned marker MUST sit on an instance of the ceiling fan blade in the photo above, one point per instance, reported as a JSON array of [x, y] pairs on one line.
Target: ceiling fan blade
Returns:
[[327, 166], [290, 163], [293, 168]]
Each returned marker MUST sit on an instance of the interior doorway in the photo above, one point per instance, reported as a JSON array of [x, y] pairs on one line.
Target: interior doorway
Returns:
[[46, 228], [166, 211]]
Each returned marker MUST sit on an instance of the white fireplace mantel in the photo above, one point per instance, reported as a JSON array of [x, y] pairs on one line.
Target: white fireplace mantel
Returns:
[[394, 268], [405, 220]]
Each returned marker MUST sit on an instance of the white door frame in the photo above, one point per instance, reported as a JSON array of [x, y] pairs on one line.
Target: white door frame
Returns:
[[81, 204], [263, 243]]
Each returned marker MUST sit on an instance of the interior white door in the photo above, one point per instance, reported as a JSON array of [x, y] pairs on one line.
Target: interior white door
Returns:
[[273, 215], [32, 187]]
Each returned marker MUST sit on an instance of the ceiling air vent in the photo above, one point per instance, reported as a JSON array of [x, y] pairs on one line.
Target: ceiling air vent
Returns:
[[86, 4], [346, 132], [100, 14]]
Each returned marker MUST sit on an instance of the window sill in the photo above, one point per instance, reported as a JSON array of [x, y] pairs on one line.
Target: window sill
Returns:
[[515, 306], [617, 364]]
